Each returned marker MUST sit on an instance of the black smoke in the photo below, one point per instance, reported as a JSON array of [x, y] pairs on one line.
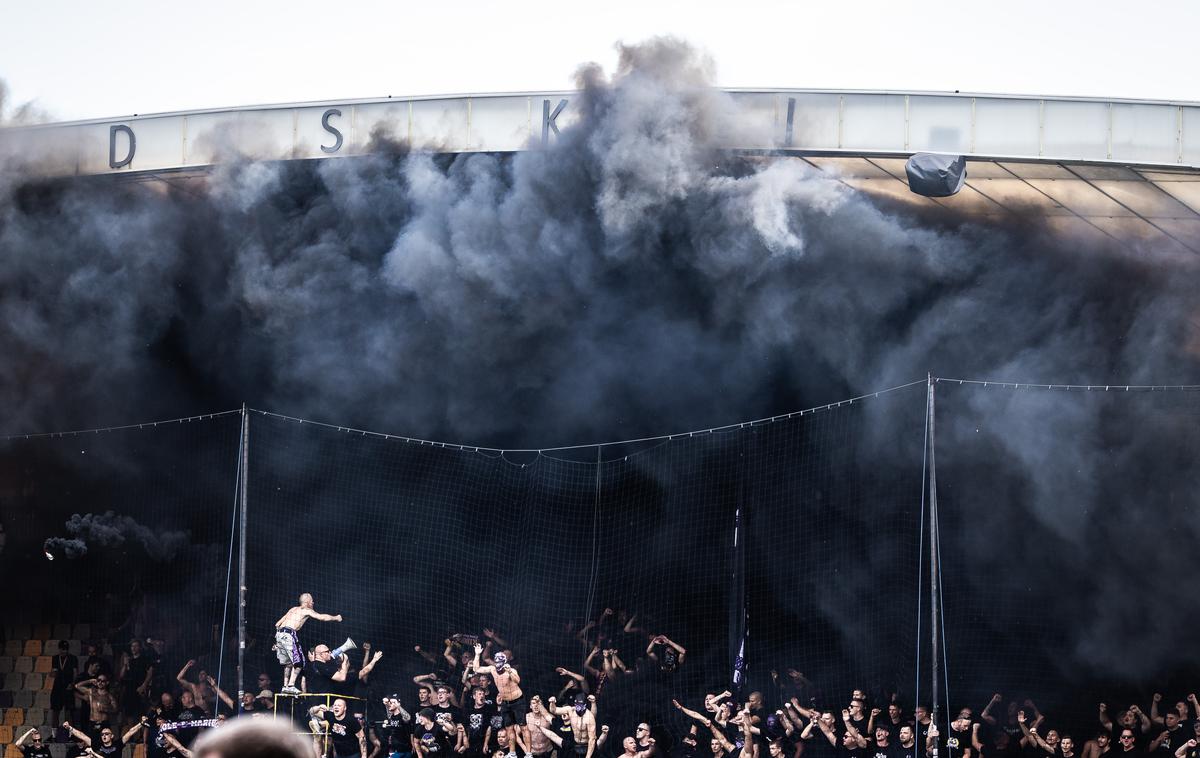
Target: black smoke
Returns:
[[632, 279], [109, 529]]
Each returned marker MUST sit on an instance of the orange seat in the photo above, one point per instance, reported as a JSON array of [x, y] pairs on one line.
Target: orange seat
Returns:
[[14, 716], [43, 632], [139, 750], [33, 648], [43, 665], [6, 733], [47, 683], [12, 751]]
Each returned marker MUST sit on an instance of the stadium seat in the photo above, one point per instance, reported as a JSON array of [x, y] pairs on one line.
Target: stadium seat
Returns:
[[42, 700], [13, 648], [35, 717], [34, 682], [23, 699], [33, 648], [43, 664], [18, 632], [47, 683], [139, 750], [76, 647], [50, 647], [82, 632], [6, 664], [5, 700], [14, 681], [42, 632], [24, 665], [12, 751], [14, 716], [62, 631], [6, 733]]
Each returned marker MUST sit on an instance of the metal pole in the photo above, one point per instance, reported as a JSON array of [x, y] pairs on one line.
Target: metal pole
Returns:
[[934, 588], [241, 658]]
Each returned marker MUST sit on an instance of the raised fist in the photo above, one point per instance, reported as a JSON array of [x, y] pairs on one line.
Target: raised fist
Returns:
[[1103, 707], [997, 697], [875, 711], [591, 698], [1157, 697], [604, 729], [478, 648]]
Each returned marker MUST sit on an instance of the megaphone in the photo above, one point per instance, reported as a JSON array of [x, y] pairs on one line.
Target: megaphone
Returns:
[[344, 648]]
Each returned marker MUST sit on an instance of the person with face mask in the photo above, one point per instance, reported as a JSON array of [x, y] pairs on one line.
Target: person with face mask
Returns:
[[510, 700], [583, 724]]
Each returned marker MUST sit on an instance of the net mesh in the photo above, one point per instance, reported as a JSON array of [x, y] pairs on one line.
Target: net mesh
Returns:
[[787, 557], [138, 522]]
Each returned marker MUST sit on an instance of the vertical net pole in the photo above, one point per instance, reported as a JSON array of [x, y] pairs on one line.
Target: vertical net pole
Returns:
[[934, 588], [241, 659]]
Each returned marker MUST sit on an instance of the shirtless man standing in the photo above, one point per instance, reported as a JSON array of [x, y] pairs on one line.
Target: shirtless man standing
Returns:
[[509, 699], [287, 643], [583, 724]]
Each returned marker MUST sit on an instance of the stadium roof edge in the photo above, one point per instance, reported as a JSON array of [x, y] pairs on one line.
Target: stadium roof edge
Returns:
[[569, 92]]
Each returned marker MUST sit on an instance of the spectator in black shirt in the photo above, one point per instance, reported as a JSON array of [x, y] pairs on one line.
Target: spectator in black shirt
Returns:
[[1128, 744], [906, 745], [345, 733], [35, 748], [393, 735], [1171, 736], [430, 739], [63, 668], [108, 743]]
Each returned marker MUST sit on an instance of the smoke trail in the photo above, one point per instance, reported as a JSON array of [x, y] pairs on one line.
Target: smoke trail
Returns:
[[112, 530], [632, 279]]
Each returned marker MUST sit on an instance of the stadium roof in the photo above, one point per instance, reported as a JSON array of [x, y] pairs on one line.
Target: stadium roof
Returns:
[[1122, 169]]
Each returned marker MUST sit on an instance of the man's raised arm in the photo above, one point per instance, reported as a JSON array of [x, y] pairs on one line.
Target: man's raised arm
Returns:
[[321, 616]]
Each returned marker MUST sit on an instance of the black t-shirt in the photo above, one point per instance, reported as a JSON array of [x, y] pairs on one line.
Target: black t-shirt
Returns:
[[434, 740], [861, 726], [395, 733], [954, 743], [477, 721], [442, 713], [343, 733], [65, 668], [135, 672], [1174, 738], [114, 749], [896, 750], [874, 751], [36, 751], [856, 752], [562, 725], [668, 658], [187, 736], [819, 746], [320, 676]]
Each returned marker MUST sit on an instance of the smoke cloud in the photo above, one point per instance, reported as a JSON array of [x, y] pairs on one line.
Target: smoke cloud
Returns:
[[112, 530], [632, 279]]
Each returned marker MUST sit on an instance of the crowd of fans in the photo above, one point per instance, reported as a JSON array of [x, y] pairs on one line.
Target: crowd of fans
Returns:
[[474, 702]]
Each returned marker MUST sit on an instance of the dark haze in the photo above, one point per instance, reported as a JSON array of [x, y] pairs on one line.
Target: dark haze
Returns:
[[633, 279]]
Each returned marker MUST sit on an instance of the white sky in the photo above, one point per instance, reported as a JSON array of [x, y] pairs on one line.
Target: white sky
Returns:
[[84, 59]]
